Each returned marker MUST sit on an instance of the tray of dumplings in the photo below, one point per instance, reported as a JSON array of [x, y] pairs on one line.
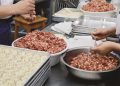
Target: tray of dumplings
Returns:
[[66, 13], [23, 67]]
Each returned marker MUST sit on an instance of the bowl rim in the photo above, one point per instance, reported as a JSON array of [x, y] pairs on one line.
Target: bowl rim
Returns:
[[55, 54], [77, 69]]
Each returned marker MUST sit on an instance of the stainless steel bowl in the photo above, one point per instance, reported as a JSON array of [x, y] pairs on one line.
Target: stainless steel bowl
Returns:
[[84, 74]]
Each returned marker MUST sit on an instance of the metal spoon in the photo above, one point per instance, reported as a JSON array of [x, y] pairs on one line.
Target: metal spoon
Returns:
[[95, 42]]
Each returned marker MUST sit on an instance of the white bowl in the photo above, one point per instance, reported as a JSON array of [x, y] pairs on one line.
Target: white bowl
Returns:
[[54, 58], [104, 14]]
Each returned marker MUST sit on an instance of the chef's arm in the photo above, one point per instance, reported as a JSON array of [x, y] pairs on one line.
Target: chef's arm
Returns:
[[22, 7], [116, 47], [107, 47], [6, 11], [112, 31]]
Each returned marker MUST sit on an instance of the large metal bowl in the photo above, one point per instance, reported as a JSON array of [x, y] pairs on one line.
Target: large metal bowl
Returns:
[[84, 74]]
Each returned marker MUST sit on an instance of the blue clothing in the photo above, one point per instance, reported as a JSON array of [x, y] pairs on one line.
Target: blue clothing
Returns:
[[117, 52], [5, 32]]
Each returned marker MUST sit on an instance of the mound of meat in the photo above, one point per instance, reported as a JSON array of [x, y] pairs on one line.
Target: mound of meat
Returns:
[[98, 6], [94, 62], [43, 41]]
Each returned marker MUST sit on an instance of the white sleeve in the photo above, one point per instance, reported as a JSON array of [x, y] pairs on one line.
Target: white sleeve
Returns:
[[6, 2], [118, 24]]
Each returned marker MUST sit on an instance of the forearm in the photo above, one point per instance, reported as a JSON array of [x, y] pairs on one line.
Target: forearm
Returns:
[[7, 11]]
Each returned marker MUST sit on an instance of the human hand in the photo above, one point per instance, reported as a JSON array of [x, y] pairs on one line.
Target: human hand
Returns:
[[29, 17], [24, 7], [105, 47], [102, 33]]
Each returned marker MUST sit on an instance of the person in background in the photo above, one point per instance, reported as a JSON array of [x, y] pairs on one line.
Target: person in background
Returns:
[[108, 46], [7, 9]]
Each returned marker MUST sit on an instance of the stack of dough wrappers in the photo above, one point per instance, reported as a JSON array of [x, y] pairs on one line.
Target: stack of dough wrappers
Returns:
[[23, 67]]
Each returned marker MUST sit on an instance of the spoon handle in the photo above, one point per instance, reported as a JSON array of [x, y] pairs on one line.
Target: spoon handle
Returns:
[[95, 43]]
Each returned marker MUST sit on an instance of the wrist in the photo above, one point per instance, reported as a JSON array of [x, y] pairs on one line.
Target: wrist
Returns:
[[13, 10], [112, 31], [115, 46]]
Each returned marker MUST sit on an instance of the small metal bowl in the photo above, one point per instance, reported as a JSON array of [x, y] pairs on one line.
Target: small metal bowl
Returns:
[[84, 74]]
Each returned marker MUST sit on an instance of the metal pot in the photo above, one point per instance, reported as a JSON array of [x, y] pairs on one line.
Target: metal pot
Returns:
[[84, 74]]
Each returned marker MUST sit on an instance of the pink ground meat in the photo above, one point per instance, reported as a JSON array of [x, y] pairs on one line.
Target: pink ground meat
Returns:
[[43, 41]]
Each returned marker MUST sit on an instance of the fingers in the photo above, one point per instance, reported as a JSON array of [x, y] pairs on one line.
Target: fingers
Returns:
[[95, 49], [31, 1], [101, 50], [32, 12], [25, 7], [33, 17], [32, 5], [98, 34], [29, 17], [95, 37], [98, 50]]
